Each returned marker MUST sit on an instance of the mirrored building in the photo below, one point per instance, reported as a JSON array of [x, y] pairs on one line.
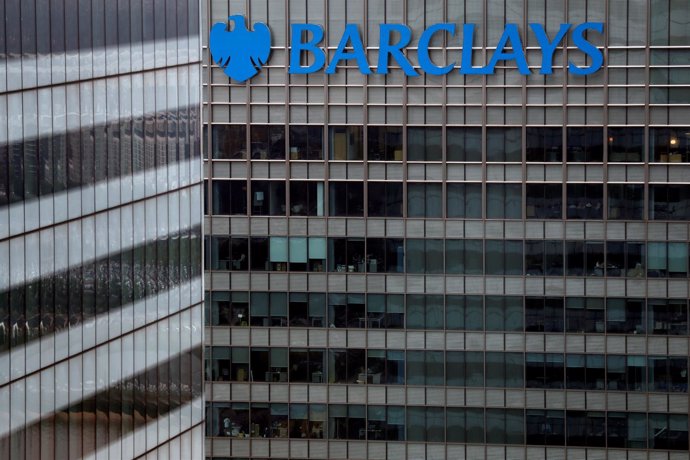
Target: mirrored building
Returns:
[[100, 230], [450, 266]]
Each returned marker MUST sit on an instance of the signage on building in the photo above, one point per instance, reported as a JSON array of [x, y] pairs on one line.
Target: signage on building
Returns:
[[241, 52]]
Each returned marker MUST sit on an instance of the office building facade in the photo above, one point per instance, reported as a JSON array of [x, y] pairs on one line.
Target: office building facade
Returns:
[[450, 266], [101, 287]]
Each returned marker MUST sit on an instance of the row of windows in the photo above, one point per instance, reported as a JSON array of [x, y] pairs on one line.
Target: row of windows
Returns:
[[450, 256], [449, 368], [451, 312], [451, 424], [68, 298], [385, 143], [461, 200]]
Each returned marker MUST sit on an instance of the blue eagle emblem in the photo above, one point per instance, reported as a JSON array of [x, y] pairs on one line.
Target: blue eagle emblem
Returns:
[[240, 52]]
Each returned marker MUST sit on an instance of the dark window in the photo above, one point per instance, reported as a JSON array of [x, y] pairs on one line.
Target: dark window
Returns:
[[346, 310], [544, 201], [584, 314], [625, 316], [625, 259], [543, 258], [503, 201], [667, 317], [424, 144], [385, 199], [385, 255], [464, 144], [465, 368], [386, 310], [503, 313], [229, 308], [505, 426], [585, 201], [268, 142], [306, 143], [545, 427], [669, 202], [668, 374], [544, 314], [626, 373], [345, 366], [504, 144], [544, 144], [465, 312], [270, 309], [306, 198], [424, 256], [625, 144], [585, 145], [425, 368], [464, 200], [669, 145], [345, 143], [229, 253], [386, 423], [668, 431], [229, 197], [346, 198], [426, 424], [385, 366], [465, 425], [505, 370], [307, 310], [229, 141], [347, 421], [626, 201], [349, 255], [424, 200], [306, 365], [385, 143], [268, 198], [544, 370]]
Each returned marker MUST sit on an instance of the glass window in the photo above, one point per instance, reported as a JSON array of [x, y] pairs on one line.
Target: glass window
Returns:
[[543, 258], [345, 143], [385, 199], [544, 370], [667, 260], [544, 201], [306, 198], [586, 428], [307, 366], [307, 310], [465, 425], [626, 201], [386, 310], [625, 316], [424, 200], [269, 364], [668, 431], [386, 423], [229, 308], [306, 143], [504, 257], [465, 368], [424, 144], [625, 144], [668, 374], [669, 145], [388, 255], [347, 421], [667, 316], [424, 311], [346, 310], [504, 370], [385, 143], [268, 142], [424, 256], [544, 314], [228, 419], [269, 420], [464, 200], [545, 427], [505, 426], [229, 141], [268, 309], [463, 144], [346, 366], [625, 259], [504, 144], [268, 198], [584, 314], [544, 144], [503, 313], [585, 201], [384, 366], [229, 253], [669, 202], [425, 367], [346, 199], [464, 257], [626, 373], [585, 144], [229, 197], [464, 312], [503, 201], [348, 255]]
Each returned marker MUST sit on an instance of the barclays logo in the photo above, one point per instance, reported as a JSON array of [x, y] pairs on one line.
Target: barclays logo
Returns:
[[240, 52]]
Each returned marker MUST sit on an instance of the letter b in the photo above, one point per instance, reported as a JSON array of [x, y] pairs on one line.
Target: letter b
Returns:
[[297, 46]]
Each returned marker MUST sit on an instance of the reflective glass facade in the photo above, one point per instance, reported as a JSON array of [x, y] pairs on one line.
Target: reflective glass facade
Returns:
[[455, 266], [100, 230]]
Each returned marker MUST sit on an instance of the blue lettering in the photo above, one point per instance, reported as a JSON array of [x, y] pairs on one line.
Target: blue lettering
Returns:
[[518, 54], [297, 46], [423, 50], [466, 61], [351, 34], [547, 47], [587, 48], [394, 50]]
